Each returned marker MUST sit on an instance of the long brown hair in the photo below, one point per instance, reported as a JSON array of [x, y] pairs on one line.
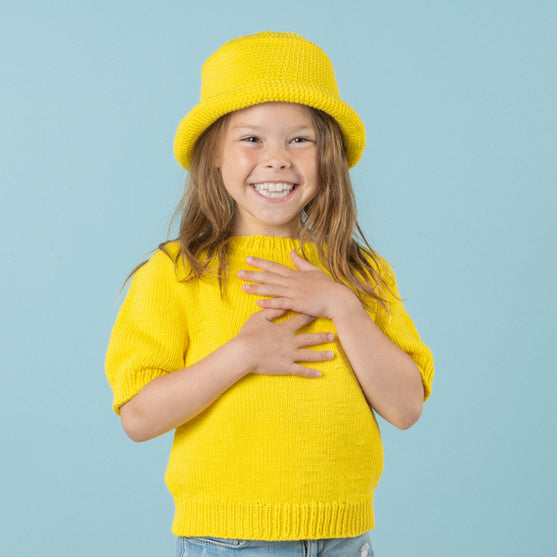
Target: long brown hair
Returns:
[[206, 213]]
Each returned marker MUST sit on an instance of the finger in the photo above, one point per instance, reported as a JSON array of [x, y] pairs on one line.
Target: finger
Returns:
[[262, 277], [299, 320], [269, 266], [277, 303], [300, 263], [306, 355], [273, 290], [303, 371], [271, 313], [313, 339]]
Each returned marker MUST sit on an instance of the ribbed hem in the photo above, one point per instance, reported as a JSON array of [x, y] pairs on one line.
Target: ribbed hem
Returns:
[[259, 521]]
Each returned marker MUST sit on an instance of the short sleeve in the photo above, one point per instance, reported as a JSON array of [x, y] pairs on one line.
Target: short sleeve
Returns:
[[399, 327], [149, 338]]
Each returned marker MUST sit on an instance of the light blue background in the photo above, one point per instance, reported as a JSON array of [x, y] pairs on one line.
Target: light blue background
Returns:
[[456, 188]]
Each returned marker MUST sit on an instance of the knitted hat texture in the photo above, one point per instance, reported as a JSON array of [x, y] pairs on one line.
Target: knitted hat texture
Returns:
[[268, 67]]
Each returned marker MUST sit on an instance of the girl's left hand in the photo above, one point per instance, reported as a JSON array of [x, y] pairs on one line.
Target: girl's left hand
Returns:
[[306, 289]]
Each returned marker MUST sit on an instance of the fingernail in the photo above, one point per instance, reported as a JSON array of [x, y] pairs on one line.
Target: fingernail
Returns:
[[331, 336], [331, 354]]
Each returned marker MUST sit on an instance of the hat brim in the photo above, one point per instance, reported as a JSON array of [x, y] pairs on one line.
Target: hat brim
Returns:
[[210, 110]]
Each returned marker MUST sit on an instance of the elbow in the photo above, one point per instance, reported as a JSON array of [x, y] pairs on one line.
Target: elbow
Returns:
[[132, 423], [134, 432], [135, 435], [412, 410], [407, 419]]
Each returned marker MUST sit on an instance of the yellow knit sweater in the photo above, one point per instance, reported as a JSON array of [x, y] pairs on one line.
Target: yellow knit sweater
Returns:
[[275, 457]]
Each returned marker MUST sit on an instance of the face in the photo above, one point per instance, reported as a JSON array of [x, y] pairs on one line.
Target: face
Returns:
[[269, 165]]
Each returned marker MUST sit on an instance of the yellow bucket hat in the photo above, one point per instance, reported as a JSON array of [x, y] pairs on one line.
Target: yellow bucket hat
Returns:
[[268, 67]]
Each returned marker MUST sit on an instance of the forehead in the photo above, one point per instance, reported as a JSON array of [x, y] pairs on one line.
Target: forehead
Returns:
[[272, 113]]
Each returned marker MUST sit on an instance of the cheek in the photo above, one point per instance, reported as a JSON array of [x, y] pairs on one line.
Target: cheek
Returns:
[[228, 165], [310, 161], [311, 169], [237, 161]]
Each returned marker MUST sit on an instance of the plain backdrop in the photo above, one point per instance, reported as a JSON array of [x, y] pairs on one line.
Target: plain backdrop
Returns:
[[457, 189]]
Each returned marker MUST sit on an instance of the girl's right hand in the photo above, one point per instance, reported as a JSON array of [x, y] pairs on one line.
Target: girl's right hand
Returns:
[[275, 348]]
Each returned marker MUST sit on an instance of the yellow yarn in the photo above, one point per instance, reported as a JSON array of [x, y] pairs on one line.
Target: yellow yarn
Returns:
[[268, 67], [275, 457]]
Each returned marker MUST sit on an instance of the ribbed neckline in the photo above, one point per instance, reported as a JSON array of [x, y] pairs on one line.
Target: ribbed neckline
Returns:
[[269, 247], [258, 246]]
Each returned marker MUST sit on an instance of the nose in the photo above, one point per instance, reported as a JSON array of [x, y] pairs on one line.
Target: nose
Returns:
[[277, 158]]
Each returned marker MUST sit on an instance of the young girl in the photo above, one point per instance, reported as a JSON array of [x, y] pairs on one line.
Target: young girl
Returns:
[[266, 335]]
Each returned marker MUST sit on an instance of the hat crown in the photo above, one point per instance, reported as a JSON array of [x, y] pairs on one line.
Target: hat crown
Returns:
[[264, 58], [268, 67]]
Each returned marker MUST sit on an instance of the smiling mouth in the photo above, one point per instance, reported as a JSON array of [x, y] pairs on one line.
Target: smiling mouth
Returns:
[[274, 190]]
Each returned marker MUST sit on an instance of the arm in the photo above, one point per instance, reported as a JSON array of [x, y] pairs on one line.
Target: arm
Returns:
[[261, 346], [174, 398], [389, 378], [153, 391]]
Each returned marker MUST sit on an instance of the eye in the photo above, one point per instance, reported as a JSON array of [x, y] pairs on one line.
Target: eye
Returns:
[[250, 139], [301, 140]]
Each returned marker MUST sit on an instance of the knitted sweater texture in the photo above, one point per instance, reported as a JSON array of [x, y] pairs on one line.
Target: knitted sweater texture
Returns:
[[274, 457]]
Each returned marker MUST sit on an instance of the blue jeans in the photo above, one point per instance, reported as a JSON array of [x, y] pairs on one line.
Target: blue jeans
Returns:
[[220, 547]]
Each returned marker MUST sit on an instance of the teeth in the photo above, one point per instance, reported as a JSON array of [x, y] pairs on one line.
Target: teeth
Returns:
[[274, 190]]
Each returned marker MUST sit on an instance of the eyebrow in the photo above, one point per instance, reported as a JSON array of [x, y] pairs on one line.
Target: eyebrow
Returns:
[[295, 129]]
